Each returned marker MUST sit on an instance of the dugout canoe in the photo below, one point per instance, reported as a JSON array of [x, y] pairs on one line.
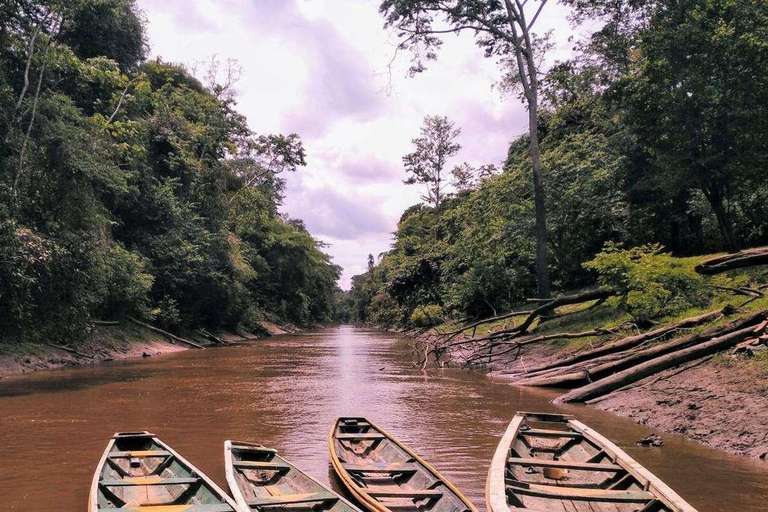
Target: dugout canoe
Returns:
[[551, 462], [260, 479], [140, 473], [384, 475]]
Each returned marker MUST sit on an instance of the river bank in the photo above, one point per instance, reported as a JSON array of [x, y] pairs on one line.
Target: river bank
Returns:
[[112, 343], [719, 401]]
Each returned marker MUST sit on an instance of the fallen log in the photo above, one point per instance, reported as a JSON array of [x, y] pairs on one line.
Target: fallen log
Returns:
[[165, 333], [209, 336], [658, 364], [564, 300], [741, 290], [638, 339], [105, 322], [741, 259], [601, 371], [70, 350]]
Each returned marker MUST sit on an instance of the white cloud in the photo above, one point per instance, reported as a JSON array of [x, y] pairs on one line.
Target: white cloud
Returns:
[[318, 68]]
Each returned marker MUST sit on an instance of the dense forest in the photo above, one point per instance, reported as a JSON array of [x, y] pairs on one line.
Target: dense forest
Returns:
[[129, 187], [655, 135]]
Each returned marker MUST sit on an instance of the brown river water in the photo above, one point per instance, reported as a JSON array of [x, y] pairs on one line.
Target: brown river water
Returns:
[[284, 392]]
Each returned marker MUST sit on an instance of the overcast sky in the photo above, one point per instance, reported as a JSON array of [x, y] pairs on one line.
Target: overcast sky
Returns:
[[318, 68]]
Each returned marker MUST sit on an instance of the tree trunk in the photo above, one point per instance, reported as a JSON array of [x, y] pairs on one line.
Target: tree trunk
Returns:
[[542, 270], [723, 219]]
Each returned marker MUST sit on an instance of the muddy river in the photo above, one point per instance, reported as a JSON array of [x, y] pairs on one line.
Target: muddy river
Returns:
[[284, 392]]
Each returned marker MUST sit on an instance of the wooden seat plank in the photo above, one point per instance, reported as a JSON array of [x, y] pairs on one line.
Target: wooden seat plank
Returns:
[[543, 432], [581, 494], [582, 466], [139, 454], [215, 507], [148, 480], [392, 468], [291, 499], [271, 466], [404, 493], [359, 437]]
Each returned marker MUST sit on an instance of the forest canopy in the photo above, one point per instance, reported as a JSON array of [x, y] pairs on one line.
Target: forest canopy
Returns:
[[655, 133], [130, 188]]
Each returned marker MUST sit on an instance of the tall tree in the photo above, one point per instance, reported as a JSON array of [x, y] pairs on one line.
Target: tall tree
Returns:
[[432, 151], [504, 29]]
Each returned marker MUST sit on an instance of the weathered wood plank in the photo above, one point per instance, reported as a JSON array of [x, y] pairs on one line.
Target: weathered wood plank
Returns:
[[565, 464]]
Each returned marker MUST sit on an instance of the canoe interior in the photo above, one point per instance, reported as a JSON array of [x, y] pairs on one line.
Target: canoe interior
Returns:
[[265, 480], [141, 471], [551, 466], [385, 475]]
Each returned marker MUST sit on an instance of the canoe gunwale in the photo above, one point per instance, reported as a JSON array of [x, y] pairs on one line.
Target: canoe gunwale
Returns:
[[237, 494], [93, 504], [360, 493], [496, 488]]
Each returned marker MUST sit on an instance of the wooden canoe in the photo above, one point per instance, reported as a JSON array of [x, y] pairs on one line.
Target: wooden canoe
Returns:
[[140, 473], [260, 479], [386, 476], [551, 462]]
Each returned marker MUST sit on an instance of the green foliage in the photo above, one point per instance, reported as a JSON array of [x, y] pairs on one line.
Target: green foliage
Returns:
[[651, 283], [129, 188], [427, 316]]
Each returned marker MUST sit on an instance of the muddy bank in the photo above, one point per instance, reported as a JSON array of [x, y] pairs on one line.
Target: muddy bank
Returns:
[[721, 402], [106, 343], [724, 405], [113, 342]]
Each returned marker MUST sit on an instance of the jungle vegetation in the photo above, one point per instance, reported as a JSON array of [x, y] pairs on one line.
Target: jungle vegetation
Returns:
[[129, 187], [655, 136]]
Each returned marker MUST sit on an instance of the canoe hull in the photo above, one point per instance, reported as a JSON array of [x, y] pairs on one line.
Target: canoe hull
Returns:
[[139, 472], [258, 475], [383, 474], [551, 462]]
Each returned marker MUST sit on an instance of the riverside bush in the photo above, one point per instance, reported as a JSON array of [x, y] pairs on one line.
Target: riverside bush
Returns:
[[650, 282]]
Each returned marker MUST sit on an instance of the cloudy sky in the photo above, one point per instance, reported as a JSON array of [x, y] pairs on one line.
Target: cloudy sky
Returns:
[[319, 68]]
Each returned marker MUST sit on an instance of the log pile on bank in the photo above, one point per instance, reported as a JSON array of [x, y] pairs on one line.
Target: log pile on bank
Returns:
[[624, 357]]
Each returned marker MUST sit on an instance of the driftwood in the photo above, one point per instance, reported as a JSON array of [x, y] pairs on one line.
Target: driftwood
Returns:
[[658, 364], [741, 259], [640, 356], [165, 333], [637, 339]]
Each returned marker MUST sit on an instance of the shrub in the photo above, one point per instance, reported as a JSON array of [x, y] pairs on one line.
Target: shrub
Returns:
[[427, 316], [651, 283]]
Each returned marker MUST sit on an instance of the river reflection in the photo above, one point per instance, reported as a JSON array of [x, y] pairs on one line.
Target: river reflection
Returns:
[[284, 392]]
